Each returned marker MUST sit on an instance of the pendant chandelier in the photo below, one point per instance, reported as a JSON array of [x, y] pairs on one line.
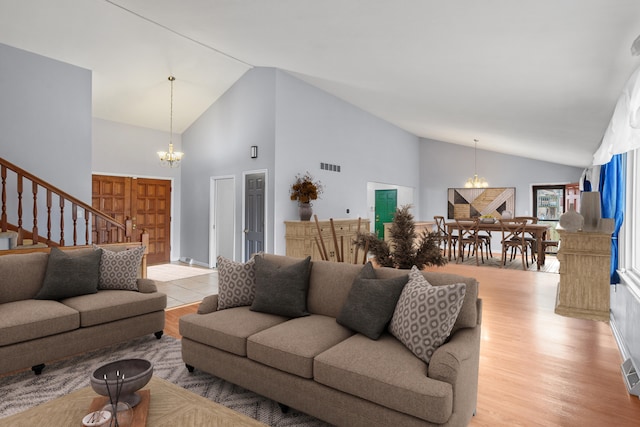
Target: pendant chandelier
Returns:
[[170, 158], [476, 182]]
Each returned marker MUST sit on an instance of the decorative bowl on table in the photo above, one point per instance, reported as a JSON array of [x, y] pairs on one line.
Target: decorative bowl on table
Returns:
[[487, 220], [122, 379]]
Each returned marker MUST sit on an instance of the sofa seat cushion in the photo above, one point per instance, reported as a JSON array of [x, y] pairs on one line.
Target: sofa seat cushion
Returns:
[[227, 329], [109, 306], [31, 319], [387, 373], [291, 346]]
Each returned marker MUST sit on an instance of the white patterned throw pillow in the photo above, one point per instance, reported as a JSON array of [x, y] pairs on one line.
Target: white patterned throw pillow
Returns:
[[119, 270], [425, 314], [236, 283]]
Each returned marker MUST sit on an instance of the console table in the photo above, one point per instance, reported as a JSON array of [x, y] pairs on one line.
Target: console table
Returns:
[[584, 290], [300, 238]]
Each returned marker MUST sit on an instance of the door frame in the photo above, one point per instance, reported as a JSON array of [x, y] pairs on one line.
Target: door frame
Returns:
[[266, 206], [172, 255], [213, 249]]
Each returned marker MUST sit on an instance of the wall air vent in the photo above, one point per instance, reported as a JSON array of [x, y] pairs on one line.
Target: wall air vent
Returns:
[[329, 167]]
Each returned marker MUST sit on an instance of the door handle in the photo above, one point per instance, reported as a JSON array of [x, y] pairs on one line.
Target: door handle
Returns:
[[246, 231]]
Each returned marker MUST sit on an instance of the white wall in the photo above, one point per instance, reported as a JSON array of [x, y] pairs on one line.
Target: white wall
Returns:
[[446, 166], [125, 150]]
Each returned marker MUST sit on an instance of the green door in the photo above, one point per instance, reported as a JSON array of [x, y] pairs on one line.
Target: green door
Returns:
[[386, 204]]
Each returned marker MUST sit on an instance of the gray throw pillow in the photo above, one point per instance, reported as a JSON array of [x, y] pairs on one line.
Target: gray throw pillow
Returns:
[[236, 283], [69, 276], [282, 290], [371, 302], [425, 314]]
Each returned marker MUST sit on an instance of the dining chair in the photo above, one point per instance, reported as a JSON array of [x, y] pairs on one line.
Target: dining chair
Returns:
[[530, 237], [468, 238], [513, 238], [443, 236]]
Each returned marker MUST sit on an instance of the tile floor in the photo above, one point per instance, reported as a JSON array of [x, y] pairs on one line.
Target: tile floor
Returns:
[[184, 290]]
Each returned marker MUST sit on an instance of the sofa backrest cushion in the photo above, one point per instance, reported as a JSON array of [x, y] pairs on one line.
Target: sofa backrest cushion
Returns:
[[330, 283], [21, 275]]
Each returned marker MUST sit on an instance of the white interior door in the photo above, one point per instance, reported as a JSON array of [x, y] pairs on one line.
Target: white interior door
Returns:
[[222, 208]]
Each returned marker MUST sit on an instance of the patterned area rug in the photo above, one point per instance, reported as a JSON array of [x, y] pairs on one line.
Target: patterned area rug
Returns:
[[24, 390]]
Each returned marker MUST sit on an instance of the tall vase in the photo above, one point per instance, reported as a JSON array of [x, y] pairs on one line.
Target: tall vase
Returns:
[[590, 209], [305, 211]]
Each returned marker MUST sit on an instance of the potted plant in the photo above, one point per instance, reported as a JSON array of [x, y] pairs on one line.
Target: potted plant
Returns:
[[406, 247], [304, 190]]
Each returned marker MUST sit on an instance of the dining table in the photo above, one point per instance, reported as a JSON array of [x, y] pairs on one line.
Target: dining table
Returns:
[[537, 231]]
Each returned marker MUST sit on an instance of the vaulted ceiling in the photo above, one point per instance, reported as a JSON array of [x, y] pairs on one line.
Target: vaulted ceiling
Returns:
[[537, 79]]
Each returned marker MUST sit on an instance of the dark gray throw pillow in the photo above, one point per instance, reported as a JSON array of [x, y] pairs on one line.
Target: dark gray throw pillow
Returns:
[[282, 290], [371, 303], [69, 276]]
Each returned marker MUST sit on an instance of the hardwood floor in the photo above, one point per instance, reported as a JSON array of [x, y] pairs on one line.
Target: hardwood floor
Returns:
[[536, 368]]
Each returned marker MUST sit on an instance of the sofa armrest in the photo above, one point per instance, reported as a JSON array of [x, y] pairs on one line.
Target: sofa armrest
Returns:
[[447, 360], [209, 304], [147, 286]]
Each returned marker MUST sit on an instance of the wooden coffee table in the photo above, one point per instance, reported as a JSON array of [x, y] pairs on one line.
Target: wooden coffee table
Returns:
[[170, 405]]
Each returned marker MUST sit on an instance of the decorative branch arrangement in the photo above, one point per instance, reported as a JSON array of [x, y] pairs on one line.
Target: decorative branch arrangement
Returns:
[[114, 404], [406, 248]]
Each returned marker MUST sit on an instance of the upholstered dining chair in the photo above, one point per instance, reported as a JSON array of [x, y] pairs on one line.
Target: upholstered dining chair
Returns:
[[443, 236], [514, 239], [468, 238]]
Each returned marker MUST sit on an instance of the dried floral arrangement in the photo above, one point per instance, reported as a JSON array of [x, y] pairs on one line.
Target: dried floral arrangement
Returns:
[[305, 188], [404, 251]]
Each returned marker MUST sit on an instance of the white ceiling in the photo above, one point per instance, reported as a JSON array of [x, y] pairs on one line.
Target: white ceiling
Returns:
[[535, 78]]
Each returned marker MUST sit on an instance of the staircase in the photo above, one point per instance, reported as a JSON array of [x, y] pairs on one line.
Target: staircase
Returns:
[[69, 221]]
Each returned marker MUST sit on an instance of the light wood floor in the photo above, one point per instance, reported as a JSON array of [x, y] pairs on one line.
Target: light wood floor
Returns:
[[536, 368]]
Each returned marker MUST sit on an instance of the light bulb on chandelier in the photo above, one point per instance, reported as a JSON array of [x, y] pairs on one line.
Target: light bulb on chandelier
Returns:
[[170, 158], [475, 181]]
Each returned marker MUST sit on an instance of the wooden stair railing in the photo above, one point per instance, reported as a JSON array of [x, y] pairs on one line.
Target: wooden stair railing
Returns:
[[103, 228]]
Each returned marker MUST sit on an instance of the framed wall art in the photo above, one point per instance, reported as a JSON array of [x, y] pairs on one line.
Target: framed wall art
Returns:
[[471, 202]]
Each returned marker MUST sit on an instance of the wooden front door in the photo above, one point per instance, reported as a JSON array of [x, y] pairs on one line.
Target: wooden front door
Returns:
[[146, 201]]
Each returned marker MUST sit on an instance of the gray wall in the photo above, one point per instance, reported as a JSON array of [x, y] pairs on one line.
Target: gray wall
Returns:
[[449, 165], [45, 118], [313, 126], [125, 150], [45, 123], [220, 141], [296, 126]]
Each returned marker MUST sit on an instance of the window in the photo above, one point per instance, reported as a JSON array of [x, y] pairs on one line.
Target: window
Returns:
[[629, 240]]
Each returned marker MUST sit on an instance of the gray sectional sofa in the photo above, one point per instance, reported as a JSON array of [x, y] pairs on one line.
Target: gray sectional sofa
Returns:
[[37, 327], [316, 365]]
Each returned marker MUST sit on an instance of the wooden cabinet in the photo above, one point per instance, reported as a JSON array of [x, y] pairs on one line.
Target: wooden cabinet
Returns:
[[420, 226], [300, 238], [584, 290]]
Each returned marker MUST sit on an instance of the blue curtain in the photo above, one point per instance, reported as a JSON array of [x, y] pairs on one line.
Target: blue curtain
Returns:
[[612, 199]]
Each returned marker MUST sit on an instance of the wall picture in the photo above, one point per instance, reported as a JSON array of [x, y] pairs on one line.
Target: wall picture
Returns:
[[471, 202]]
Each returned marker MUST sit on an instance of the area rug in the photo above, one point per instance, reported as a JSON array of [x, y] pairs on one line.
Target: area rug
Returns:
[[24, 390], [551, 263], [169, 272]]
